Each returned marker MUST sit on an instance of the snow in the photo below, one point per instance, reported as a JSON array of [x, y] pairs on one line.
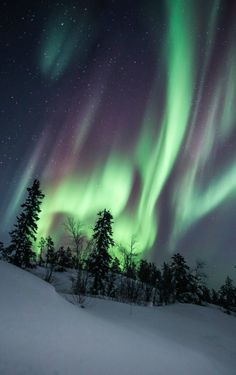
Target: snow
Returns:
[[42, 333]]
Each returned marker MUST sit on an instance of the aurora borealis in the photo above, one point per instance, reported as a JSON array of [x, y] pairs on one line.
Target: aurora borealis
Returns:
[[129, 106]]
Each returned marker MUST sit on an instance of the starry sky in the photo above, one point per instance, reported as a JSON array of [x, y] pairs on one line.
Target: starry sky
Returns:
[[129, 106]]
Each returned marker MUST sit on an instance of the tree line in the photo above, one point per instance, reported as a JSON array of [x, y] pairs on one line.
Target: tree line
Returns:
[[98, 273]]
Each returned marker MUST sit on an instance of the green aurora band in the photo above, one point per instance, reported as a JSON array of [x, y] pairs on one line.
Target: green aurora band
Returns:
[[156, 162], [191, 201], [168, 139], [84, 196]]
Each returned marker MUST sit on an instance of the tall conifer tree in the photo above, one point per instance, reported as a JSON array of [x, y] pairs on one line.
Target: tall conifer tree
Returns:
[[24, 234], [227, 294], [180, 276], [99, 261]]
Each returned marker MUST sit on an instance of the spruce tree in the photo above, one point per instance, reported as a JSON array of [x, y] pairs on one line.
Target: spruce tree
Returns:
[[51, 258], [227, 294], [156, 281], [214, 297], [114, 271], [99, 260], [181, 278], [64, 258], [2, 252], [197, 287], [206, 294], [24, 234], [147, 273], [115, 266], [155, 275], [166, 284], [41, 246], [143, 272]]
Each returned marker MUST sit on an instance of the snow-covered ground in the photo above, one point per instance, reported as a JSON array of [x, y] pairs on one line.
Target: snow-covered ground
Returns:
[[42, 333]]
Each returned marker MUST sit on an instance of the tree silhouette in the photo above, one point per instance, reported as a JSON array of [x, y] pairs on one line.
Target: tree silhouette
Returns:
[[180, 276], [227, 294], [24, 234], [99, 260], [51, 258], [166, 287]]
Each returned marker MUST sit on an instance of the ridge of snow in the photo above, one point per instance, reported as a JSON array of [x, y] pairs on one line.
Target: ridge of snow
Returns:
[[42, 333]]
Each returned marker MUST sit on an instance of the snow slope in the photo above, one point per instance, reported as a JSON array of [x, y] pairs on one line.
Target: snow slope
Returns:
[[42, 333]]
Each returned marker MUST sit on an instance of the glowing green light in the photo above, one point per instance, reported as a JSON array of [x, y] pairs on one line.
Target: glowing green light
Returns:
[[192, 198], [156, 161]]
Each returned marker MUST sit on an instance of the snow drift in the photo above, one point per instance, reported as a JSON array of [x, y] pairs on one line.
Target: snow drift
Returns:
[[42, 333]]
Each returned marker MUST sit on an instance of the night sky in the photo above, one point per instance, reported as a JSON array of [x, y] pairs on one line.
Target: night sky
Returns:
[[129, 106]]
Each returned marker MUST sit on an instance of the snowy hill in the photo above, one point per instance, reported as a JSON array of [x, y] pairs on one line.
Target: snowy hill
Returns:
[[42, 333]]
